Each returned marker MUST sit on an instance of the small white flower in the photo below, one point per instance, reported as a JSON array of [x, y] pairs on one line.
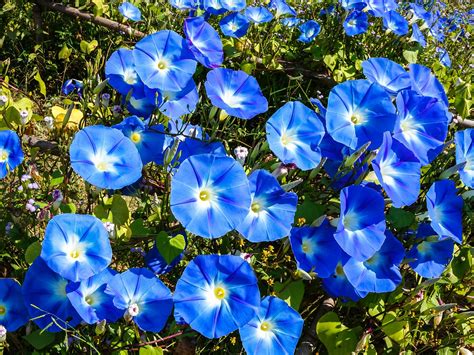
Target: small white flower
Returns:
[[3, 100], [110, 227], [23, 116], [3, 333], [49, 122], [241, 154]]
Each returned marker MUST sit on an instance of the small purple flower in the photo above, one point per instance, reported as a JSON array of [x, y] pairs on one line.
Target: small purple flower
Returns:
[[30, 205], [33, 186], [105, 99], [8, 227], [116, 110], [25, 177]]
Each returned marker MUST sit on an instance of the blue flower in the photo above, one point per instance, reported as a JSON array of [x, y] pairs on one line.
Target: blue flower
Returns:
[[151, 142], [386, 73], [358, 112], [444, 57], [184, 4], [217, 294], [13, 313], [180, 103], [104, 157], [76, 246], [11, 154], [157, 263], [395, 22], [430, 257], [234, 25], [281, 8], [258, 14], [417, 35], [45, 296], [380, 273], [210, 195], [89, 299], [233, 5], [309, 31], [143, 101], [236, 92], [204, 41], [275, 329], [426, 84], [465, 154], [120, 72], [445, 210], [356, 23], [70, 85], [378, 8], [130, 11], [163, 61], [398, 171], [419, 13], [272, 210], [422, 125], [353, 4], [212, 6], [316, 249], [294, 133], [143, 298], [290, 21], [361, 228]]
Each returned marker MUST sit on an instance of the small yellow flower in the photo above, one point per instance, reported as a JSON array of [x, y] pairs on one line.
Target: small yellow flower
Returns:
[[233, 340], [59, 113]]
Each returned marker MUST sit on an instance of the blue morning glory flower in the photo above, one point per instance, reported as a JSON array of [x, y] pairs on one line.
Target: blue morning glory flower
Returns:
[[45, 296], [258, 14], [294, 133], [353, 4], [151, 142], [217, 294], [445, 210], [426, 84], [419, 13], [431, 256], [395, 22], [120, 72], [89, 299], [272, 210], [315, 249], [275, 329], [212, 6], [70, 85], [380, 273], [204, 41], [210, 195], [398, 171], [163, 61], [358, 112], [378, 8], [388, 74], [130, 11], [76, 246], [104, 157], [356, 23], [361, 228], [142, 297], [233, 5], [184, 4], [465, 154], [309, 31], [234, 25], [281, 8], [193, 146], [417, 35], [422, 124], [444, 57], [143, 101], [236, 92], [179, 103], [290, 21], [157, 263], [11, 154], [13, 313]]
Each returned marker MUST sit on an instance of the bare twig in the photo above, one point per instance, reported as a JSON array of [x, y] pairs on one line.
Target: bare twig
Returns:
[[44, 146]]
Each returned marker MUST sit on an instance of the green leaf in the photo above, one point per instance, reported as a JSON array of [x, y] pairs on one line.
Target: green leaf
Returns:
[[309, 210], [395, 329], [32, 252], [65, 52], [39, 340], [400, 218], [119, 209], [42, 85], [56, 178], [170, 247], [150, 350], [330, 61], [67, 208], [336, 337], [410, 56], [138, 228], [88, 47], [292, 293]]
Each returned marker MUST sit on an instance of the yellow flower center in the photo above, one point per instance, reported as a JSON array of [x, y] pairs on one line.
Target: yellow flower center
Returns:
[[306, 246], [356, 118], [265, 326], [219, 292], [135, 137], [74, 254], [3, 310], [204, 195], [256, 207], [339, 270], [3, 155], [285, 140], [102, 166], [89, 300], [161, 65]]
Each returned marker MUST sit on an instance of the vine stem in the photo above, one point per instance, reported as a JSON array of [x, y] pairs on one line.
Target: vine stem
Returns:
[[153, 342]]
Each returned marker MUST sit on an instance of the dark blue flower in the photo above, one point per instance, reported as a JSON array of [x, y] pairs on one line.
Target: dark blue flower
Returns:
[[45, 296], [163, 61], [358, 112], [204, 41], [272, 210], [142, 297], [398, 171], [236, 92], [72, 84], [275, 329], [465, 154], [210, 195], [445, 210], [217, 294], [309, 31], [104, 157], [130, 11], [11, 154], [234, 25], [294, 133], [258, 14], [395, 22], [386, 73], [13, 313], [120, 72], [417, 35], [361, 228], [356, 23]]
